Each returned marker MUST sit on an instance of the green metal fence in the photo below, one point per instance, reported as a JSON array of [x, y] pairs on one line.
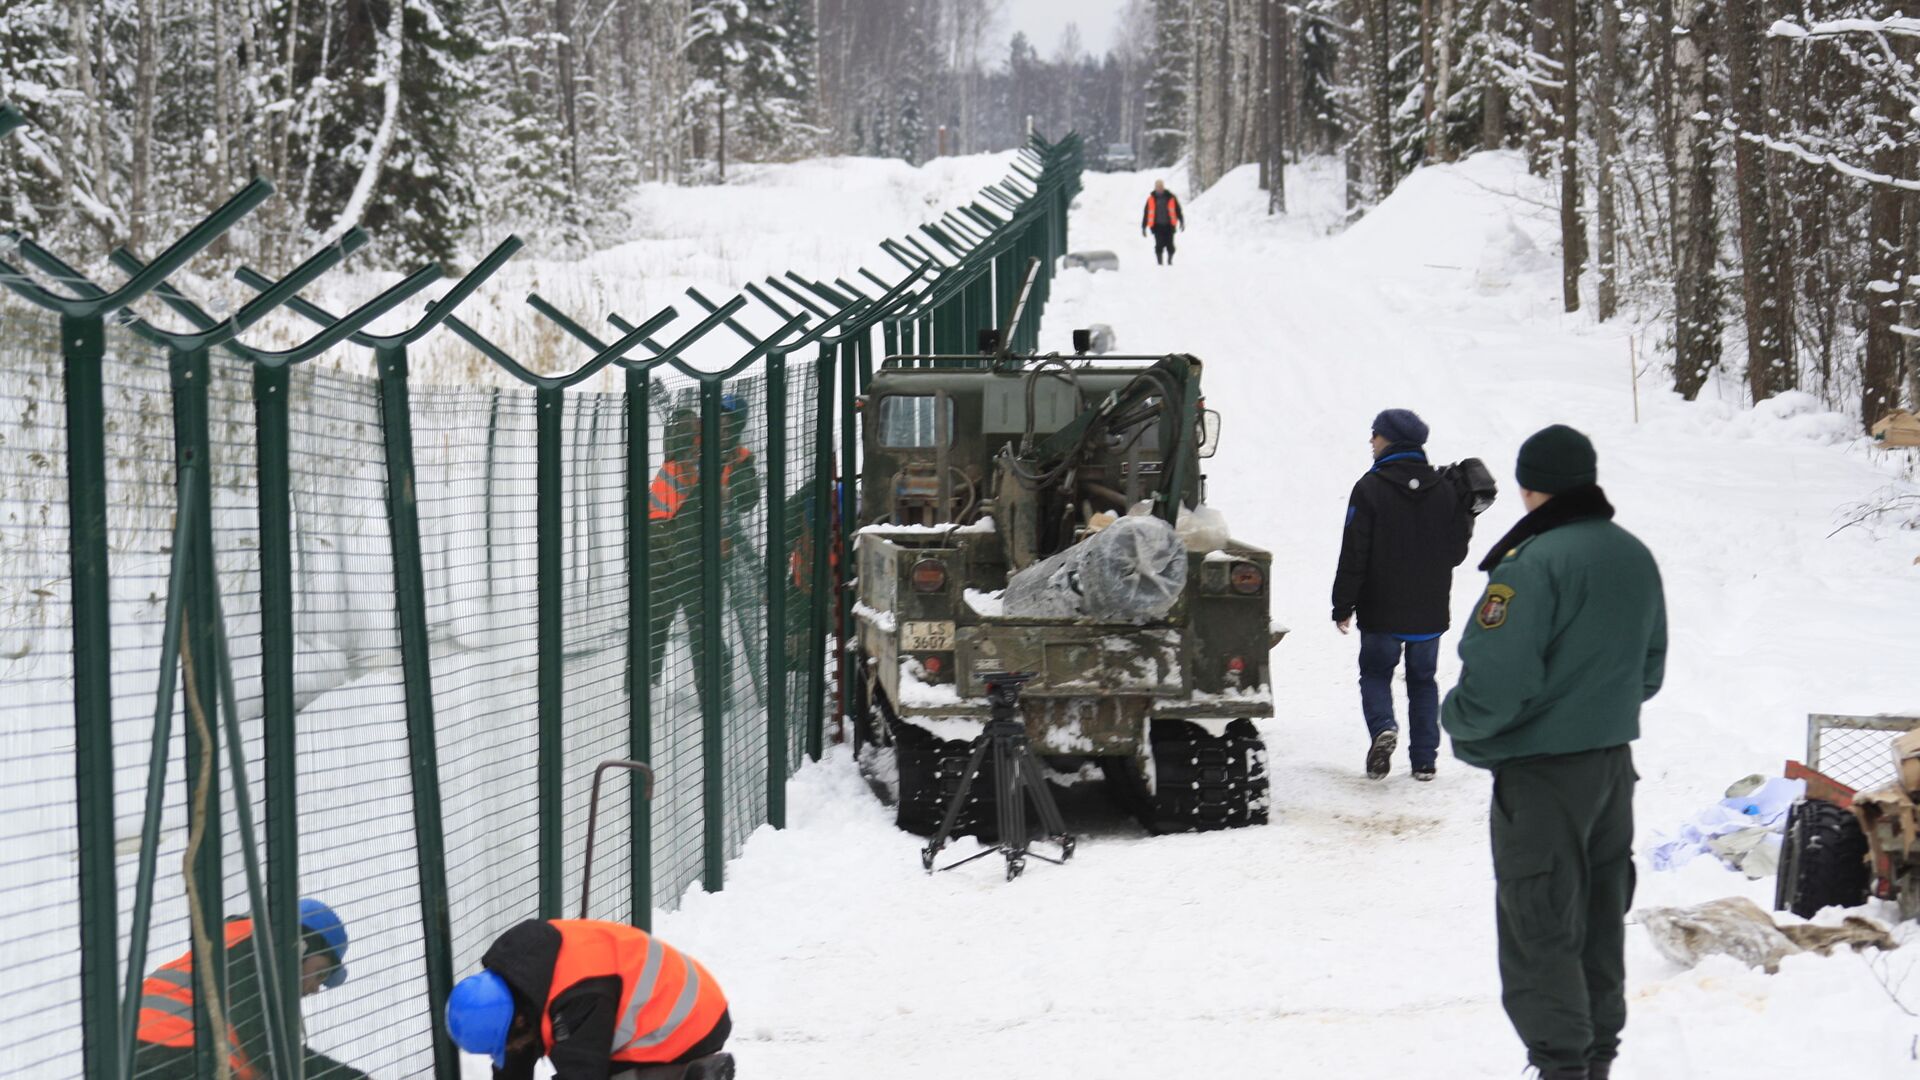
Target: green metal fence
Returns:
[[269, 630]]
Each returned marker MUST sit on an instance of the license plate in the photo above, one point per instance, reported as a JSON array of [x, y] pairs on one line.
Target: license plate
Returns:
[[926, 637]]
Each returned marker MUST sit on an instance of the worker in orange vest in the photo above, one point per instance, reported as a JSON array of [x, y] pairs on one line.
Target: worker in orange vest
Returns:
[[165, 1050], [676, 562], [1163, 215], [598, 1000], [800, 564]]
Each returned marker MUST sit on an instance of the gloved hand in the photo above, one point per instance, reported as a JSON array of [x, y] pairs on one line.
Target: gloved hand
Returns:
[[1143, 230], [1183, 226]]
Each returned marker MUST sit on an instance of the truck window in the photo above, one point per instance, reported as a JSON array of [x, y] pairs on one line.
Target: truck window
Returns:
[[909, 422]]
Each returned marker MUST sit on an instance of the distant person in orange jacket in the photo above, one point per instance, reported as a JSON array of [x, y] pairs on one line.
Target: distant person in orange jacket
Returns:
[[1162, 216], [598, 1000]]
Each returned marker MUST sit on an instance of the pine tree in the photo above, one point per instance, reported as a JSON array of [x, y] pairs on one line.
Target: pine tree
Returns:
[[745, 80], [404, 177], [1167, 87]]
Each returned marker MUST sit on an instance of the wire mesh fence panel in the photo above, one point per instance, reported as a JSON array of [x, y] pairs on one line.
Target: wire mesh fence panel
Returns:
[[39, 898], [677, 641], [475, 478], [598, 717], [801, 422], [1857, 750], [743, 569], [357, 849]]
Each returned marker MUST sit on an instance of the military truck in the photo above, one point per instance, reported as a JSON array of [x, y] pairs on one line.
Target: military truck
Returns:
[[976, 468]]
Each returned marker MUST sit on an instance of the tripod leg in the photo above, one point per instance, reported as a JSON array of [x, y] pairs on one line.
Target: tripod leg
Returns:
[[952, 817], [1034, 780], [1013, 804]]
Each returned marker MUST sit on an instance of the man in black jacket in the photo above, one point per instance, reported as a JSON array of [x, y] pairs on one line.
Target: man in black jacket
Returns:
[[1407, 528]]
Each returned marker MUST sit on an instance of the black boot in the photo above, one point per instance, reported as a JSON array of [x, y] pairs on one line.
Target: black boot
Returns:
[[1600, 1070]]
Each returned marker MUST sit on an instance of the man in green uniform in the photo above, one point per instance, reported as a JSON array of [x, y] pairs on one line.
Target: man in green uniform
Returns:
[[1568, 641]]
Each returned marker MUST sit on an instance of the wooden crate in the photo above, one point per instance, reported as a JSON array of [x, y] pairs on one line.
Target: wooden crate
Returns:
[[1899, 428]]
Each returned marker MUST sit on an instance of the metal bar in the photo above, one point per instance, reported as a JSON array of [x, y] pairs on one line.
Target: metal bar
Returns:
[[593, 819], [279, 739], [550, 405], [416, 666], [578, 332], [777, 578], [713, 712], [760, 294], [639, 641], [942, 437], [266, 954], [189, 373], [83, 346], [849, 497], [823, 529], [142, 915]]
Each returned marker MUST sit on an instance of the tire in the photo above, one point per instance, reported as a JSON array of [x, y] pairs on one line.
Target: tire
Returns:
[[1823, 860]]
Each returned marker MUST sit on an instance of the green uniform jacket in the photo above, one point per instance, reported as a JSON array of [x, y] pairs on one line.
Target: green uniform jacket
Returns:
[[1567, 642]]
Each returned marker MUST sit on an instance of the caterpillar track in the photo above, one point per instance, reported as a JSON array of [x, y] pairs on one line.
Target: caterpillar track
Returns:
[[1202, 781]]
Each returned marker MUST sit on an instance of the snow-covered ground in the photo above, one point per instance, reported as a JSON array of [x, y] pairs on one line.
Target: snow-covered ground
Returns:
[[1354, 936]]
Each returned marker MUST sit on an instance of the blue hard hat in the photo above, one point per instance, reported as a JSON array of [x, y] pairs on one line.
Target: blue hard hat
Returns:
[[479, 1013], [732, 403], [318, 918]]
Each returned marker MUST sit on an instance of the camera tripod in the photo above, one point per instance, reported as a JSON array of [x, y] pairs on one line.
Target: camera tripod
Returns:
[[1017, 775]]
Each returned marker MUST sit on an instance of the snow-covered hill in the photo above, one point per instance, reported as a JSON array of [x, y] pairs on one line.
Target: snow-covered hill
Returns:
[[1354, 936]]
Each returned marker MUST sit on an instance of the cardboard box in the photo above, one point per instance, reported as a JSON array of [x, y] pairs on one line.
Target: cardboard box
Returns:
[[1900, 428], [1906, 760]]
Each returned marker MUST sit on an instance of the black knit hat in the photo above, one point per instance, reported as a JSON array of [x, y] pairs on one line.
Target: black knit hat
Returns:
[[1400, 426], [1556, 459]]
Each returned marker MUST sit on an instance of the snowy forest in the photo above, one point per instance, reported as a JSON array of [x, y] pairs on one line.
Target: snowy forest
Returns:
[[418, 120], [1743, 175]]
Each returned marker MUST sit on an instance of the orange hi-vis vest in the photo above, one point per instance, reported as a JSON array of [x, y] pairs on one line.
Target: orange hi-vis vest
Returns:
[[166, 1005], [1153, 212], [668, 1002], [674, 484]]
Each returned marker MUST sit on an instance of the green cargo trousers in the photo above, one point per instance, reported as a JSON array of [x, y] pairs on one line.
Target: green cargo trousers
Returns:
[[1563, 857]]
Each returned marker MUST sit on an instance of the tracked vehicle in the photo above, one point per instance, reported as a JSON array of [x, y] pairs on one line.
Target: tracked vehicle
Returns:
[[977, 468]]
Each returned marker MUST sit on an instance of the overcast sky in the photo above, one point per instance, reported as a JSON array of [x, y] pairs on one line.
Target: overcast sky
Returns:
[[1042, 21]]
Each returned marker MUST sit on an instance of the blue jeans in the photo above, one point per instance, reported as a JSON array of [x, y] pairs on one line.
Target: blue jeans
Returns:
[[1379, 655]]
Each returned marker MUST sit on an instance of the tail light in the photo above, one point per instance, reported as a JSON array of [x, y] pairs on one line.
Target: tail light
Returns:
[[1236, 666], [933, 665], [1247, 578], [929, 576]]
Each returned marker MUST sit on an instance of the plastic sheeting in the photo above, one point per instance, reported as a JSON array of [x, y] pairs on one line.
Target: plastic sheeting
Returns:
[[1131, 571]]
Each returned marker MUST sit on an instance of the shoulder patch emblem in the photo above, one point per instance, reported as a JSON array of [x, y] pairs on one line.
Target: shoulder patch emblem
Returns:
[[1492, 614]]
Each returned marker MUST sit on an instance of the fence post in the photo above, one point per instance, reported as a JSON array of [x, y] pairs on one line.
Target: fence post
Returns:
[[83, 343], [416, 665], [639, 642], [849, 496], [713, 711], [550, 405], [274, 493], [823, 530], [188, 373], [777, 589]]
